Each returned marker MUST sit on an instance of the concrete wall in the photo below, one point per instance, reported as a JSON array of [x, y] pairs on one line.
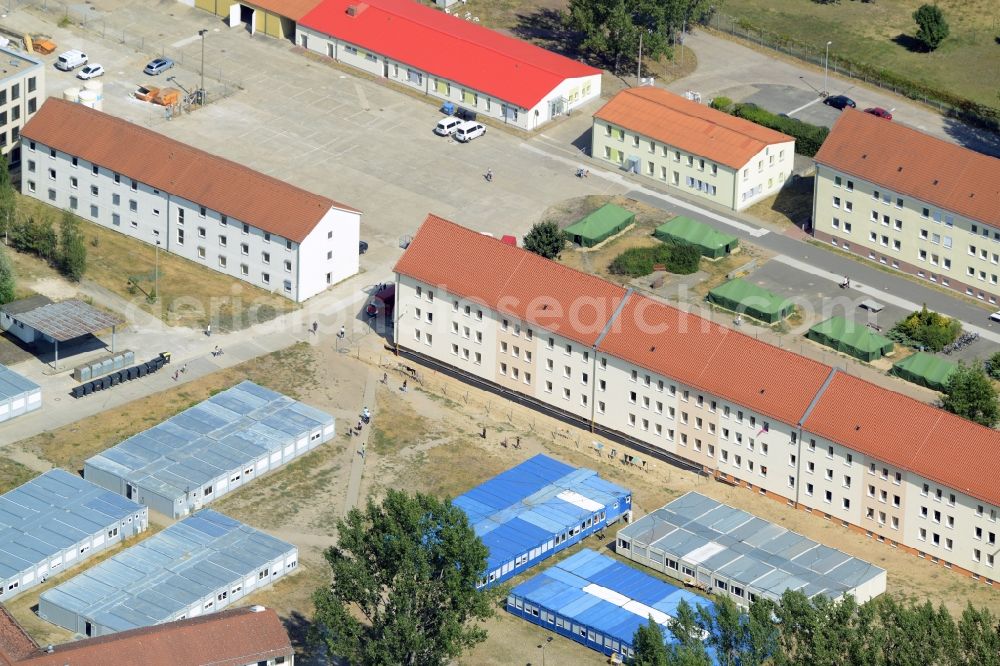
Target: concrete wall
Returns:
[[763, 175], [907, 234], [185, 228]]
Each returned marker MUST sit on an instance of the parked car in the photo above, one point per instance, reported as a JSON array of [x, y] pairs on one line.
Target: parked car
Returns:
[[382, 301], [90, 72], [468, 131], [995, 317], [158, 65], [362, 247], [71, 60], [879, 112], [447, 125], [840, 102]]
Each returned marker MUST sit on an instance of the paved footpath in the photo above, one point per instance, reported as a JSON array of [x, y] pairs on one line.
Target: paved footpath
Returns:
[[357, 449]]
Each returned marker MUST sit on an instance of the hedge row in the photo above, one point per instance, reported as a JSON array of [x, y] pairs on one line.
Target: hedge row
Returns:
[[680, 258], [808, 138]]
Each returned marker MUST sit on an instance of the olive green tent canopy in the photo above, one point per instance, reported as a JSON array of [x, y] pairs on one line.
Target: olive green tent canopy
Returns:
[[925, 369], [713, 244], [603, 223], [850, 337], [745, 297]]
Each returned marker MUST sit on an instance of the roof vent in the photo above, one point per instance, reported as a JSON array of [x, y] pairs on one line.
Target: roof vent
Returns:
[[762, 391], [49, 648], [935, 181], [899, 168], [865, 156], [355, 10], [257, 608], [653, 348], [972, 194], [857, 427]]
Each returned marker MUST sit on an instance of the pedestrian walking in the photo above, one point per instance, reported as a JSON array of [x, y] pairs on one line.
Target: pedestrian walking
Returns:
[[403, 388], [208, 330], [489, 175], [315, 327], [176, 373], [385, 377], [342, 332], [184, 368]]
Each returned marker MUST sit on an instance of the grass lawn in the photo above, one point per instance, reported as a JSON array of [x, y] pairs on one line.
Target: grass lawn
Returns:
[[189, 293], [13, 474], [881, 34]]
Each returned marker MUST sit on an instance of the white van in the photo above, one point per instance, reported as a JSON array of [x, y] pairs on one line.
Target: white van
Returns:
[[468, 131], [447, 125], [71, 60]]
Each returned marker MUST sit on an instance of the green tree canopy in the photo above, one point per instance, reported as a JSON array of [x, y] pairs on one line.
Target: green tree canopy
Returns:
[[932, 28], [970, 394], [926, 328], [545, 239], [649, 645], [8, 201], [7, 278], [404, 584], [72, 249]]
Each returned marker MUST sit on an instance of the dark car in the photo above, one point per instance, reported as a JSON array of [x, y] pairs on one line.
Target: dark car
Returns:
[[879, 112], [382, 301], [362, 247], [840, 102]]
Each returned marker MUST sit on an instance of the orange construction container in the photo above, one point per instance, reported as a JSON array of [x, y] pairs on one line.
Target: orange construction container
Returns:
[[43, 46], [168, 97]]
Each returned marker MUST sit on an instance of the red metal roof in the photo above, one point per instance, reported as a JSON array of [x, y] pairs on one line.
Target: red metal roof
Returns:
[[510, 279], [449, 47], [182, 170], [910, 435], [690, 126], [916, 164], [715, 359], [292, 9]]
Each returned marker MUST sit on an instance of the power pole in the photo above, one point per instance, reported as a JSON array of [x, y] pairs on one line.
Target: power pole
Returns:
[[201, 33], [638, 72]]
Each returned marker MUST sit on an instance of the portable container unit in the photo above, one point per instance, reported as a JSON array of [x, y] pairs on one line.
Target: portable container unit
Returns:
[[538, 508], [18, 395], [206, 451], [695, 538], [599, 602], [55, 521], [196, 566]]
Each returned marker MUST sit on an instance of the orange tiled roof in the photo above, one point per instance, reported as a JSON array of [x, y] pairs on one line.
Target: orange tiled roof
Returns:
[[690, 126], [510, 280], [774, 382], [15, 644], [163, 163], [916, 164]]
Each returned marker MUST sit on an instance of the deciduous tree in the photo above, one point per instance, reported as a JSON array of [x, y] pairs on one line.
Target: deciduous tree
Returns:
[[932, 28], [72, 250], [970, 395], [7, 279], [545, 239]]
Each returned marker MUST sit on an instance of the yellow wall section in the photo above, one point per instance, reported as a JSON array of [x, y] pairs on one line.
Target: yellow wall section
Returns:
[[207, 5]]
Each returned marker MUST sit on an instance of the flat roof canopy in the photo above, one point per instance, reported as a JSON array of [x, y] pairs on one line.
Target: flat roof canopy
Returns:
[[67, 320]]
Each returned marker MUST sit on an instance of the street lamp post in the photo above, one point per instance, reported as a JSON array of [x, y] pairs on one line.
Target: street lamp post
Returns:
[[826, 69], [543, 646], [202, 34]]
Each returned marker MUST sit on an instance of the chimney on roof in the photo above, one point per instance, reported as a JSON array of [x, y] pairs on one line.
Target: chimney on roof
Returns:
[[355, 10]]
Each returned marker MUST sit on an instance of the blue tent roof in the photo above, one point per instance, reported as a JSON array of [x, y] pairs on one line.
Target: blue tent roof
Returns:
[[523, 507]]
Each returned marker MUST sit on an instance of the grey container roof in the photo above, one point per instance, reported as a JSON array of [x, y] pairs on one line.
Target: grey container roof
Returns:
[[748, 550], [152, 581], [231, 429], [13, 385], [50, 513]]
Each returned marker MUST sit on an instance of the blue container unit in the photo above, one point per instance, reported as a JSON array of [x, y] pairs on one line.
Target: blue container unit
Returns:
[[599, 602], [538, 508]]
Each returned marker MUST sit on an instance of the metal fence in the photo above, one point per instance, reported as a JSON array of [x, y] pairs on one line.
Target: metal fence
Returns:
[[219, 84], [760, 37]]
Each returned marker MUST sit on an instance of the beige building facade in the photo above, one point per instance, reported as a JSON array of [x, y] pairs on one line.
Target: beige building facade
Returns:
[[786, 447]]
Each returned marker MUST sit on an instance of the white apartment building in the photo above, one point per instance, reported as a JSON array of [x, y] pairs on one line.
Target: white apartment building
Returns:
[[212, 211], [450, 59], [22, 91], [694, 148], [700, 395], [911, 202]]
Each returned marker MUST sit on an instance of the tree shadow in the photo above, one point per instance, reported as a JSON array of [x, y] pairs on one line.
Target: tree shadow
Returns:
[[547, 26], [974, 137], [308, 651], [910, 43]]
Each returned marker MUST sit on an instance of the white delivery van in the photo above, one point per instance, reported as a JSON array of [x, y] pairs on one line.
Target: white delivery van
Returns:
[[468, 131], [71, 60], [447, 125]]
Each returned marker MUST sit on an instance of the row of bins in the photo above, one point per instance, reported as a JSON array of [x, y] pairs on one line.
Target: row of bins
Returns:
[[124, 375]]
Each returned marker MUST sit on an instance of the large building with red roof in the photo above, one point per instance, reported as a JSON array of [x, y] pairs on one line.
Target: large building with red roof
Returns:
[[692, 147], [910, 201], [680, 388], [451, 58]]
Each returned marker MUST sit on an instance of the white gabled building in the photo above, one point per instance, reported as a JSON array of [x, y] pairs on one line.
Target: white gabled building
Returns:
[[210, 210]]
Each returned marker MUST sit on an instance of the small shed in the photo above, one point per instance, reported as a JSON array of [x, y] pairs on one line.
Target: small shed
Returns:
[[713, 244], [50, 322], [925, 369], [848, 336], [600, 225], [747, 298]]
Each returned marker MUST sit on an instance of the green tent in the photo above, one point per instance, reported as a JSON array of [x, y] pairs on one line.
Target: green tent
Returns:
[[850, 337], [712, 243], [747, 298], [603, 223], [925, 369]]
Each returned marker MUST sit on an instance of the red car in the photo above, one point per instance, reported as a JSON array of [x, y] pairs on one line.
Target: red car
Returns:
[[382, 301], [879, 112]]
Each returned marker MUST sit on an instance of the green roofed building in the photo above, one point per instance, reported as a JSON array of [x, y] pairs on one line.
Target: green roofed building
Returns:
[[747, 298], [850, 337], [603, 223], [925, 369], [713, 244]]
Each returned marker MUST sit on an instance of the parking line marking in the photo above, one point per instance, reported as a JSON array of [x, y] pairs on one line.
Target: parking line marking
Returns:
[[794, 111], [361, 96], [180, 43]]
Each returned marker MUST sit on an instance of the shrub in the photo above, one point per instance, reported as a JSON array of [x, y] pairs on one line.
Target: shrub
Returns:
[[721, 103], [544, 239], [931, 26], [925, 328], [808, 138], [992, 366], [679, 258]]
